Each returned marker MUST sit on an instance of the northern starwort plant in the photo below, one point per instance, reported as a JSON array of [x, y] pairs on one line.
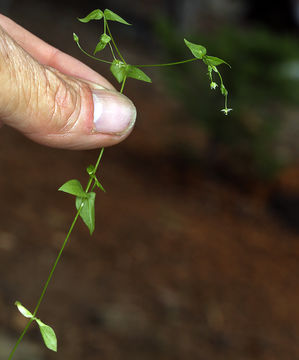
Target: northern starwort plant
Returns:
[[85, 198]]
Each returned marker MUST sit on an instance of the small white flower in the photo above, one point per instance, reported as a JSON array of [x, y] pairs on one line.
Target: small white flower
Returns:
[[213, 85], [226, 111]]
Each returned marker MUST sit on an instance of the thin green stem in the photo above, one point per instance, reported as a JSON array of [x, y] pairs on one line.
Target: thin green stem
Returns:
[[222, 84], [220, 77], [91, 56], [46, 285], [168, 64], [114, 44], [98, 162], [20, 339], [123, 85], [105, 30], [93, 186], [105, 25], [91, 179], [55, 263], [112, 52]]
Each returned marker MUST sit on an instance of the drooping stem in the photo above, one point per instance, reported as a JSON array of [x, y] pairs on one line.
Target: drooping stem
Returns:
[[222, 86], [55, 263], [91, 56], [168, 64]]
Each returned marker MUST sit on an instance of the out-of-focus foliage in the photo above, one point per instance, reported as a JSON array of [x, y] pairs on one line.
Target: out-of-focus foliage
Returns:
[[263, 82]]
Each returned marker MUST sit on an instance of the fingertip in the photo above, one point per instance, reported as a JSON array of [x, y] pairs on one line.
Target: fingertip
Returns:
[[103, 118]]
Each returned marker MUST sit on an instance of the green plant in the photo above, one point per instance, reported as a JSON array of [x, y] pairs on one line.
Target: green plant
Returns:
[[267, 84], [85, 198]]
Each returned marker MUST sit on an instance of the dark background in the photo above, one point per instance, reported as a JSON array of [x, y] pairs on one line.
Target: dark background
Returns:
[[195, 253]]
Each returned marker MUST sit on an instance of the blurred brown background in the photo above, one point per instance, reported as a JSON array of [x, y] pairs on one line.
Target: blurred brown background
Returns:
[[196, 252]]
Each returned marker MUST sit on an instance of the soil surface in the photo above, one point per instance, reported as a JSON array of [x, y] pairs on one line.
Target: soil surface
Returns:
[[182, 265]]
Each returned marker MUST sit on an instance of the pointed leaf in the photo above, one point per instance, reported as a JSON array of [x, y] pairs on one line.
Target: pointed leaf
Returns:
[[87, 212], [135, 73], [99, 185], [118, 69], [110, 15], [94, 15], [104, 40], [73, 187], [198, 51], [48, 335], [23, 310], [214, 61]]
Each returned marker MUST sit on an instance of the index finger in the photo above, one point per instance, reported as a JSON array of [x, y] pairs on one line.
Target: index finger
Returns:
[[50, 56]]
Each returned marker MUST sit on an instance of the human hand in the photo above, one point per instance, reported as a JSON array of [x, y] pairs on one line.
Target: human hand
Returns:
[[55, 99]]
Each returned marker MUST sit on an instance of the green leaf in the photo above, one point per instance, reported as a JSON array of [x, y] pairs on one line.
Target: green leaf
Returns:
[[76, 38], [135, 73], [198, 51], [214, 61], [94, 15], [110, 15], [73, 187], [104, 40], [118, 69], [99, 185], [48, 335], [87, 212], [23, 310]]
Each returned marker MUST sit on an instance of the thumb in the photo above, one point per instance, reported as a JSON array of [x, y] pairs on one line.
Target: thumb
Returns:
[[55, 109]]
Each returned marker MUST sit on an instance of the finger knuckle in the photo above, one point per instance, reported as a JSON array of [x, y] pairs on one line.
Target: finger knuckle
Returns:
[[64, 101]]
